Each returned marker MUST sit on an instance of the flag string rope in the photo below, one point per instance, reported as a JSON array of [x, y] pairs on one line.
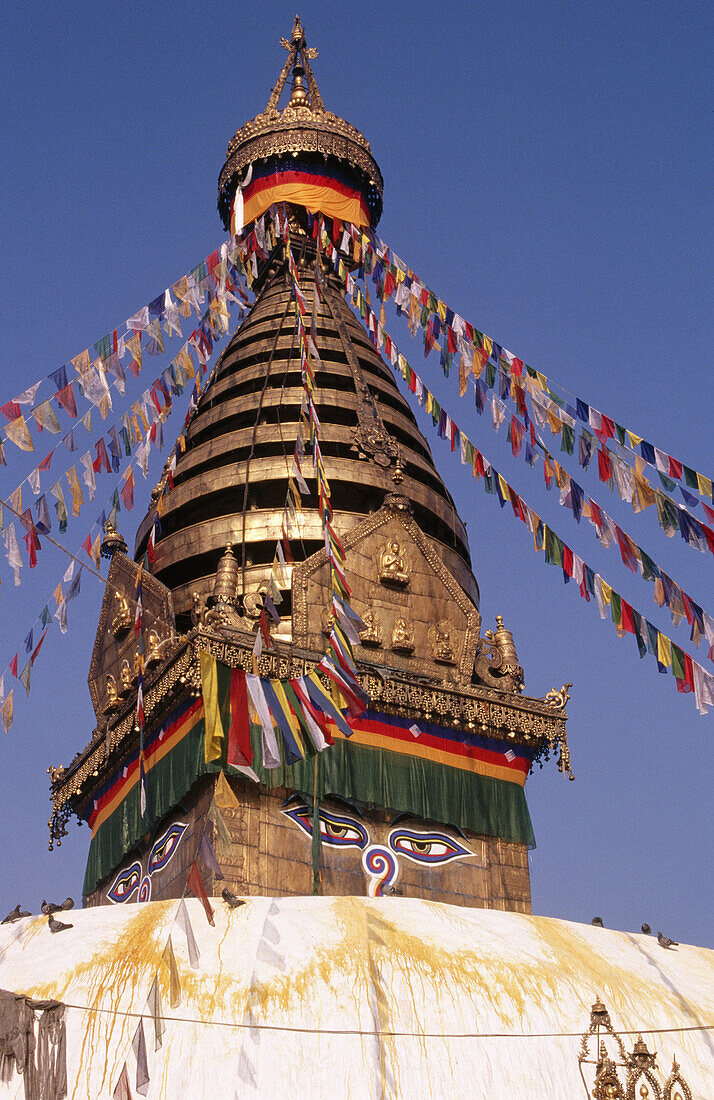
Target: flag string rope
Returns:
[[371, 1032], [435, 307]]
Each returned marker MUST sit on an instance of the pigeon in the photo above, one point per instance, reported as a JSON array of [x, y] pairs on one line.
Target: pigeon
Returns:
[[50, 906], [393, 891], [16, 914], [665, 941], [597, 921], [646, 929], [57, 925], [231, 899]]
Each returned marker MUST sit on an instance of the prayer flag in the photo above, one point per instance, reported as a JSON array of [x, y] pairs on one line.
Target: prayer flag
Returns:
[[194, 882]]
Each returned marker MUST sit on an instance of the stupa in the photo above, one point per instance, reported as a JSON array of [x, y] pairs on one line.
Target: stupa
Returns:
[[354, 944], [427, 795]]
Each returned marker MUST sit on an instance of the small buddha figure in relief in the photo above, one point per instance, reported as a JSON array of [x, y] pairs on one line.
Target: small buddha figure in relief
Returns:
[[372, 634], [153, 645], [122, 621], [441, 644], [111, 701], [125, 679], [393, 566], [403, 635]]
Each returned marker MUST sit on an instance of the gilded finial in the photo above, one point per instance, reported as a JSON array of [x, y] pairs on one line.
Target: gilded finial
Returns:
[[112, 543]]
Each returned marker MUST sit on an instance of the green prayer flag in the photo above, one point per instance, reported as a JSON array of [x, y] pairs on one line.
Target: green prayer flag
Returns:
[[690, 476], [678, 667], [567, 441], [24, 677]]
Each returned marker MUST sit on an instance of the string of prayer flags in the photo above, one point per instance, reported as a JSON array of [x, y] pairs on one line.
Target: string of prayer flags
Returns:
[[689, 675], [478, 350], [572, 495], [512, 377], [216, 278]]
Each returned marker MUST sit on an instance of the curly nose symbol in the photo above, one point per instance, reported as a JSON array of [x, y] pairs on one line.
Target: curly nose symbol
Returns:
[[381, 866]]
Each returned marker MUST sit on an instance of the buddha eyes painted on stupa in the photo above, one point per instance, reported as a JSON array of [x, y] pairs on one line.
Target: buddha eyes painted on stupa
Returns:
[[382, 847]]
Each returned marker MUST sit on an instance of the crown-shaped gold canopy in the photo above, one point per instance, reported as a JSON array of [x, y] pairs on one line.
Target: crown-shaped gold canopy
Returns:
[[302, 127]]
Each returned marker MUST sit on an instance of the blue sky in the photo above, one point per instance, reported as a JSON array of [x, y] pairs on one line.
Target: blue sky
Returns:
[[547, 171]]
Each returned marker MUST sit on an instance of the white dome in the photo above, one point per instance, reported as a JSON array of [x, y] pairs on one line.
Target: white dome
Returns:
[[358, 997]]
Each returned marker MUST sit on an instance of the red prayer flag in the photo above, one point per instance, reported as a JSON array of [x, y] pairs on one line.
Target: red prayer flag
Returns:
[[45, 464], [604, 466], [675, 468], [264, 627], [516, 436], [11, 410], [65, 396], [607, 428], [567, 561], [127, 490], [628, 623], [628, 551], [240, 749], [195, 884], [102, 458], [37, 648], [13, 665]]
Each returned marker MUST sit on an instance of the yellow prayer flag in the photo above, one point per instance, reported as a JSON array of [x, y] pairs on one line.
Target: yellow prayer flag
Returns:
[[562, 478], [664, 650], [75, 489], [463, 379], [15, 500], [169, 960], [554, 421], [211, 710], [184, 358], [81, 362], [96, 551], [487, 344], [504, 488], [635, 440], [18, 432], [133, 346], [705, 485], [6, 713], [606, 592], [643, 495]]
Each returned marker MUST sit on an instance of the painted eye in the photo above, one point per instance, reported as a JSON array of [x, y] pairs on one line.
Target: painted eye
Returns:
[[165, 847], [125, 884], [335, 829], [343, 831], [426, 847]]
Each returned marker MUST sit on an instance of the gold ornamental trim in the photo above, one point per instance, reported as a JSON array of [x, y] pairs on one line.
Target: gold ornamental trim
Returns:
[[504, 717]]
